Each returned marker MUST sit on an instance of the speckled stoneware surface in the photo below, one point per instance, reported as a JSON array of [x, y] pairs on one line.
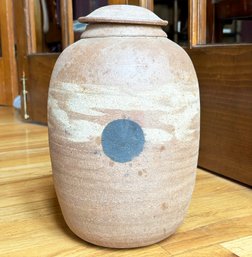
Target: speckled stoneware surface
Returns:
[[123, 118]]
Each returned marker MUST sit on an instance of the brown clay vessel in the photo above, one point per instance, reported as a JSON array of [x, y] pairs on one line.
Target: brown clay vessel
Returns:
[[123, 118]]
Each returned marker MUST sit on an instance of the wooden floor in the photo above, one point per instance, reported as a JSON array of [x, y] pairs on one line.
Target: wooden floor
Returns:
[[219, 221]]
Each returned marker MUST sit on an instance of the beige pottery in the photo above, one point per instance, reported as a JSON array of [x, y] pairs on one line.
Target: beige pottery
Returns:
[[123, 118]]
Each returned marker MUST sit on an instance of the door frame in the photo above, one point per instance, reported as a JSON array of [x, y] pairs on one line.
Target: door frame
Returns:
[[8, 68]]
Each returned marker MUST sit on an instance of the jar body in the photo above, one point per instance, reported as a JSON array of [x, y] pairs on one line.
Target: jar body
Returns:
[[116, 195]]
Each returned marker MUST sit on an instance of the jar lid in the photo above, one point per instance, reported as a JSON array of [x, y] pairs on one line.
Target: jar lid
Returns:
[[123, 14]]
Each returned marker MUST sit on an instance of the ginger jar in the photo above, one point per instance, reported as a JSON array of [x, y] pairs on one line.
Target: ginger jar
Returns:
[[123, 118]]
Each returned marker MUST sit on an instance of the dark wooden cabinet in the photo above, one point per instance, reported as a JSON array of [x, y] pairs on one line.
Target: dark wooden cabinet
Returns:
[[225, 79]]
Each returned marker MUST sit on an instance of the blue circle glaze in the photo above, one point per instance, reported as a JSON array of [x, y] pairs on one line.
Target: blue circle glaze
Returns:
[[122, 140]]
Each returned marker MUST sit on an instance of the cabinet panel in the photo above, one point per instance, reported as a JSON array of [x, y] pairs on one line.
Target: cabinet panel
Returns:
[[225, 81]]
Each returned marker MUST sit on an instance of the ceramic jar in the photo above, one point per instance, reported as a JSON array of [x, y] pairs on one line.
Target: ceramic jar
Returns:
[[123, 118]]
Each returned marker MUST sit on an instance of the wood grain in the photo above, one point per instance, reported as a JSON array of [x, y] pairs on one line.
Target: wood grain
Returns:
[[218, 223], [40, 69], [225, 81], [2, 80], [197, 21], [8, 74], [66, 12]]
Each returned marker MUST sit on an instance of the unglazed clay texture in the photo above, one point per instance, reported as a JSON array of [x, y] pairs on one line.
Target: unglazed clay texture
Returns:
[[123, 118]]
